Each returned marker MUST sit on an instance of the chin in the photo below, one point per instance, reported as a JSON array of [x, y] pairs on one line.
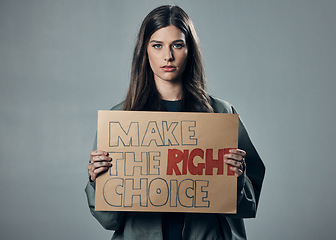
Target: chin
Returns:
[[172, 78]]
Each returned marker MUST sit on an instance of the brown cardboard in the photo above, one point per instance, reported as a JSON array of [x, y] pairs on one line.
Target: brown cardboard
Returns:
[[142, 143]]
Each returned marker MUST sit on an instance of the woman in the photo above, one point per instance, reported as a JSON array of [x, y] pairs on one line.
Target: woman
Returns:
[[167, 75]]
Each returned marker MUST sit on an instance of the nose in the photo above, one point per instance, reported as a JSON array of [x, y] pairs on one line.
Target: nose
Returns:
[[168, 55]]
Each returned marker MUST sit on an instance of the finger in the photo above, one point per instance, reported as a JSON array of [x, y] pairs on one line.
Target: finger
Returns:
[[98, 152], [234, 163], [233, 156], [99, 170], [101, 159], [93, 166], [93, 176], [102, 164], [238, 152], [95, 171], [90, 167], [236, 170]]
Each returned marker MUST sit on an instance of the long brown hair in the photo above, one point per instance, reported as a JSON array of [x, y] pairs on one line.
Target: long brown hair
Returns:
[[142, 93]]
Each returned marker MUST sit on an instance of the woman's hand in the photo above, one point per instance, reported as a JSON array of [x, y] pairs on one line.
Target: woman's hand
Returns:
[[99, 162], [236, 159]]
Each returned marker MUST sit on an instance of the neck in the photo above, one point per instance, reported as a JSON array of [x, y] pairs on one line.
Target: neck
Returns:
[[170, 91]]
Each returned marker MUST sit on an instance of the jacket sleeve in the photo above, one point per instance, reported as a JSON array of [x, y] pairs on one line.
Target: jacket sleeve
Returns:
[[109, 220], [249, 184]]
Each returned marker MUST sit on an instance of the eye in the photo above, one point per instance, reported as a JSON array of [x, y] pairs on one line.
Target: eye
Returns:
[[178, 45], [157, 46]]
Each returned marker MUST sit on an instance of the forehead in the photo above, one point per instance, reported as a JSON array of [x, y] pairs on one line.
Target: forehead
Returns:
[[170, 33]]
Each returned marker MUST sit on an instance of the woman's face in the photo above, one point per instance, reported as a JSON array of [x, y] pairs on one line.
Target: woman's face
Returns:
[[167, 53]]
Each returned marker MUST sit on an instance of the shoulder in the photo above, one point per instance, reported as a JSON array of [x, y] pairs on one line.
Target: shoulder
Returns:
[[221, 106], [119, 106]]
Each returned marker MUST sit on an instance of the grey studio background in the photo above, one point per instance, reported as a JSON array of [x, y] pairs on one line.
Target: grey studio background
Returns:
[[61, 61]]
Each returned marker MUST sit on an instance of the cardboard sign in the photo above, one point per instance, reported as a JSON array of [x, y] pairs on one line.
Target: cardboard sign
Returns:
[[167, 162]]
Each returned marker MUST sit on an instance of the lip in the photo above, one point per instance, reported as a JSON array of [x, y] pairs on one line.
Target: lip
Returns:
[[168, 68]]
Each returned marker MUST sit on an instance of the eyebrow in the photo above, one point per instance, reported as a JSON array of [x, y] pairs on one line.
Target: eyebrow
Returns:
[[176, 41]]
